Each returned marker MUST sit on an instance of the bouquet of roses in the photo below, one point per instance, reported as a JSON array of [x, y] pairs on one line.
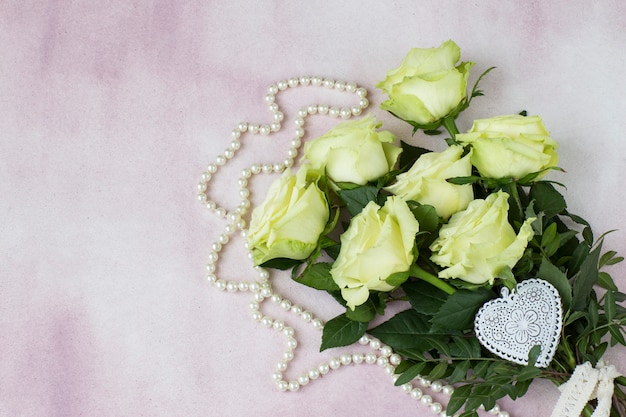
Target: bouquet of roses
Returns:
[[499, 276]]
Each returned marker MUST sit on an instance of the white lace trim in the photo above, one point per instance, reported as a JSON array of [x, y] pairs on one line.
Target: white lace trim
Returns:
[[587, 383]]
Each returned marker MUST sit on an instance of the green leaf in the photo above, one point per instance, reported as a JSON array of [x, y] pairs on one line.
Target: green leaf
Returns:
[[465, 347], [460, 372], [408, 330], [606, 281], [318, 276], [458, 311], [357, 198], [547, 198], [528, 373], [424, 297], [471, 179], [410, 374], [574, 316], [552, 274], [398, 278], [616, 335], [586, 278], [426, 216], [458, 398], [533, 355], [610, 258], [550, 240], [281, 263], [438, 371], [609, 305], [341, 331], [363, 313]]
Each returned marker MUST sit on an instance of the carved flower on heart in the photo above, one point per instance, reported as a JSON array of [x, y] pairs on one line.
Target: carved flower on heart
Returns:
[[522, 325]]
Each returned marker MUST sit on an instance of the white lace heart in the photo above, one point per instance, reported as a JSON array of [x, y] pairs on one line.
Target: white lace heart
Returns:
[[531, 315]]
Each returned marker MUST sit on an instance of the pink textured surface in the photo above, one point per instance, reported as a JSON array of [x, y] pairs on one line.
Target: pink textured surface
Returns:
[[109, 114]]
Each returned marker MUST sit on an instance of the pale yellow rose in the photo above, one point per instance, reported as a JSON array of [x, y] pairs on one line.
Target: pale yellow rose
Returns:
[[290, 220], [425, 182], [510, 146], [478, 243], [379, 242], [353, 151], [427, 86]]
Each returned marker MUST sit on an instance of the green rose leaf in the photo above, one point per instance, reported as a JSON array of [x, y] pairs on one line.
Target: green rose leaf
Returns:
[[281, 263], [363, 313], [458, 398], [424, 297], [318, 276], [357, 198], [341, 331], [409, 330], [547, 198], [458, 312], [426, 216]]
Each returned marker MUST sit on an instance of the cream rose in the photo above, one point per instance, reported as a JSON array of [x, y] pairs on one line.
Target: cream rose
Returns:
[[478, 243], [425, 182], [427, 86], [378, 243], [290, 220], [353, 151], [510, 146]]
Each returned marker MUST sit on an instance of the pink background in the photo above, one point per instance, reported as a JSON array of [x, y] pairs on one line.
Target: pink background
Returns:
[[110, 113]]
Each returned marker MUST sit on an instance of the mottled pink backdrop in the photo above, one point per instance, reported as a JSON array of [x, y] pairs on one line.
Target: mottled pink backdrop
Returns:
[[110, 113]]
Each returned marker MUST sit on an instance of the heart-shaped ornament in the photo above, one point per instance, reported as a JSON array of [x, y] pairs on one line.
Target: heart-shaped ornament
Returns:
[[531, 315]]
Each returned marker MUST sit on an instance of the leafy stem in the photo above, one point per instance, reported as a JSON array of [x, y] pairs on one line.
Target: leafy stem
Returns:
[[420, 273]]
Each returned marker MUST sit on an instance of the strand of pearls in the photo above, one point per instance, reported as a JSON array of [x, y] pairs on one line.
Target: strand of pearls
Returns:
[[261, 289]]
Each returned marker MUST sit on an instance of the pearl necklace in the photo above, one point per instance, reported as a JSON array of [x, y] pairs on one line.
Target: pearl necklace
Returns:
[[262, 291]]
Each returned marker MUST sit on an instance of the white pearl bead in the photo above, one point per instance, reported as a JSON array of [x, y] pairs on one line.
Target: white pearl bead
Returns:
[[382, 361], [269, 98], [282, 385], [267, 168], [265, 130], [322, 109], [436, 408], [334, 363], [345, 113], [345, 359], [424, 382], [375, 344], [364, 340], [279, 325], [306, 316], [316, 81], [220, 160], [256, 168], [328, 83], [395, 359], [312, 109], [386, 351], [426, 399], [436, 386], [213, 257], [278, 116], [448, 390], [210, 267], [288, 355], [416, 393], [296, 142], [232, 286], [504, 414], [340, 85], [293, 82], [299, 132], [253, 128], [277, 376], [324, 368], [254, 287], [211, 278], [333, 112], [246, 173], [267, 321], [274, 126], [299, 122], [303, 379], [282, 85], [282, 366], [292, 343], [406, 388], [243, 286], [358, 358], [235, 134], [317, 324], [285, 304], [371, 358], [211, 168], [314, 374], [305, 81], [302, 113], [257, 315], [258, 297], [296, 309], [273, 107], [243, 126], [288, 162], [495, 409], [288, 331], [364, 103], [351, 87], [272, 89], [361, 92]]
